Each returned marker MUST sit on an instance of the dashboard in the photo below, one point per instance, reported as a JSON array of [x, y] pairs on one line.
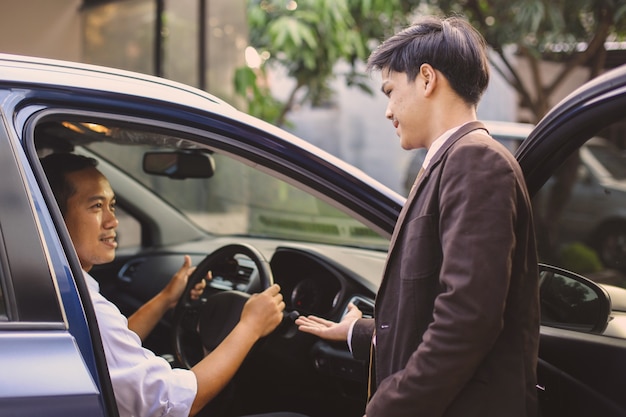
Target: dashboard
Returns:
[[308, 285], [311, 282]]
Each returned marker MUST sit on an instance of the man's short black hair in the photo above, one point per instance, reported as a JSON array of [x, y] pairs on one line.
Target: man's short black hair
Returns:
[[57, 166], [452, 46]]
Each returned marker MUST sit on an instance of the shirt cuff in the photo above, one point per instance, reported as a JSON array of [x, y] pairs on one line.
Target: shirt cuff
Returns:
[[350, 330]]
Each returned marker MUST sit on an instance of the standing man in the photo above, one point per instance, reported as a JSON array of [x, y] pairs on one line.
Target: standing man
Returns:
[[456, 324]]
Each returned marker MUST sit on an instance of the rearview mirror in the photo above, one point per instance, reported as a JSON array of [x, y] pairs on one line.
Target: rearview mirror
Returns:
[[179, 165], [573, 302]]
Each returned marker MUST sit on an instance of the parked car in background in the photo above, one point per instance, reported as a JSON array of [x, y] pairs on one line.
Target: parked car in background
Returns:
[[246, 200], [594, 210]]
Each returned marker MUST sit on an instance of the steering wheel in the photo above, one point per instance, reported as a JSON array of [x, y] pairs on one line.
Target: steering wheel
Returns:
[[212, 320]]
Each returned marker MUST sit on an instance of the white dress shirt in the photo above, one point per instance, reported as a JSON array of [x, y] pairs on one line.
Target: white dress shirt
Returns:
[[144, 384]]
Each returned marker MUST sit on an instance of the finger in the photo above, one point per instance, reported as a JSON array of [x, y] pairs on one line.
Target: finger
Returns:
[[303, 321], [320, 320], [186, 262], [316, 331], [273, 289]]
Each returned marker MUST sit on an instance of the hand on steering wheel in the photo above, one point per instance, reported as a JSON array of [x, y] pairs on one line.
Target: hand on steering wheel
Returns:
[[213, 320]]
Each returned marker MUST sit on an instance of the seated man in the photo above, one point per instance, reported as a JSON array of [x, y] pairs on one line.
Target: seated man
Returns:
[[145, 384]]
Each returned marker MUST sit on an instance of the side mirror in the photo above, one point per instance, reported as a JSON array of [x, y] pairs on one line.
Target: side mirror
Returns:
[[179, 165], [573, 302]]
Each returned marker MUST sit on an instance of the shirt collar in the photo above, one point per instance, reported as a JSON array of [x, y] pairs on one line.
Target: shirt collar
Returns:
[[437, 144], [91, 282]]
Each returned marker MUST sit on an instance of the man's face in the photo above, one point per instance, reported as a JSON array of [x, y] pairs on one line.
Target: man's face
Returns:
[[406, 108], [90, 218]]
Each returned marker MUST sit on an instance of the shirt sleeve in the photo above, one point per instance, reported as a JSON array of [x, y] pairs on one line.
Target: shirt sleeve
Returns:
[[144, 384]]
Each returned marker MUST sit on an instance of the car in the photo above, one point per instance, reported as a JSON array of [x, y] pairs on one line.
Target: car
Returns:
[[252, 203]]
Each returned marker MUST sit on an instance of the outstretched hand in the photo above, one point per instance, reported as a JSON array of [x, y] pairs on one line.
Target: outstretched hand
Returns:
[[327, 329]]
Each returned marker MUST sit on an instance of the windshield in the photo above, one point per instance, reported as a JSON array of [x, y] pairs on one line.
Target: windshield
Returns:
[[242, 200]]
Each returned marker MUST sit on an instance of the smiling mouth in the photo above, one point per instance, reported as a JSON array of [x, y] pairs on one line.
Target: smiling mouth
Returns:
[[109, 240]]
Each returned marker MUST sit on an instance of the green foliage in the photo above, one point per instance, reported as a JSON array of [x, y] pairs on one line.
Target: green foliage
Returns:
[[537, 23], [569, 31], [581, 259], [259, 100], [308, 38]]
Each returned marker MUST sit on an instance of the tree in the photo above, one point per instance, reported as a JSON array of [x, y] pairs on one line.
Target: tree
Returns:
[[308, 38], [571, 32]]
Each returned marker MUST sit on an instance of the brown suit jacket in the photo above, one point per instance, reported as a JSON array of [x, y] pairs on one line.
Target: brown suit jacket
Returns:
[[457, 313]]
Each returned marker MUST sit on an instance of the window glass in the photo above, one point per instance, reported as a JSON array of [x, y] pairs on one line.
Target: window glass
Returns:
[[121, 35], [239, 199], [128, 231], [580, 212], [180, 41]]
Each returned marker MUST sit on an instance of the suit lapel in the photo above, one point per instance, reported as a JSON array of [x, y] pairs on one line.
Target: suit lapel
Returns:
[[421, 179]]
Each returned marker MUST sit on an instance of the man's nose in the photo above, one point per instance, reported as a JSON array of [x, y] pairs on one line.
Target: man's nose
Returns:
[[111, 220]]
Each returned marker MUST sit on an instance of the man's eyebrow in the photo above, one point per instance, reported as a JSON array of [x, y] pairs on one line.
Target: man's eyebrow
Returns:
[[99, 198]]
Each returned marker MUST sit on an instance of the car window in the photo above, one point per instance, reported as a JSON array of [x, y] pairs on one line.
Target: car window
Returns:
[[129, 233], [240, 198], [243, 200], [580, 212]]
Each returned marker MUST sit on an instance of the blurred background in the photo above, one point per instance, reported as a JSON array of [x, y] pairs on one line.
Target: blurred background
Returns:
[[300, 64]]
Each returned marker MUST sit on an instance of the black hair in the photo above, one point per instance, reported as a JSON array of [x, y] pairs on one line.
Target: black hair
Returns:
[[57, 166], [452, 46]]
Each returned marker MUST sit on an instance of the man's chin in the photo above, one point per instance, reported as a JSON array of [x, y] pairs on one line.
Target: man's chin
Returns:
[[105, 259]]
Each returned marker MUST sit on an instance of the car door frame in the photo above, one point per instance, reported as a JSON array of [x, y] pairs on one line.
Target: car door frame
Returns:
[[572, 364], [50, 305]]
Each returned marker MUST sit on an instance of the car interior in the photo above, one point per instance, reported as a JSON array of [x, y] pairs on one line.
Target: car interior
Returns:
[[176, 196]]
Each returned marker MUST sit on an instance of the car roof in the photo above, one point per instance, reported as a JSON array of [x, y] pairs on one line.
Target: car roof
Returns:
[[43, 71]]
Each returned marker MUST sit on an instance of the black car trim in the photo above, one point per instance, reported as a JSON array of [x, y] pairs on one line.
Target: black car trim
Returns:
[[568, 126]]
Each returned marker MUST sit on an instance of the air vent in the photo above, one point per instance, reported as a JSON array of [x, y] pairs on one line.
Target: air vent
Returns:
[[242, 280]]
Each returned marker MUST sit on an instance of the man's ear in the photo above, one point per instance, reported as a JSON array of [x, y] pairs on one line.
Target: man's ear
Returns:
[[428, 78]]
